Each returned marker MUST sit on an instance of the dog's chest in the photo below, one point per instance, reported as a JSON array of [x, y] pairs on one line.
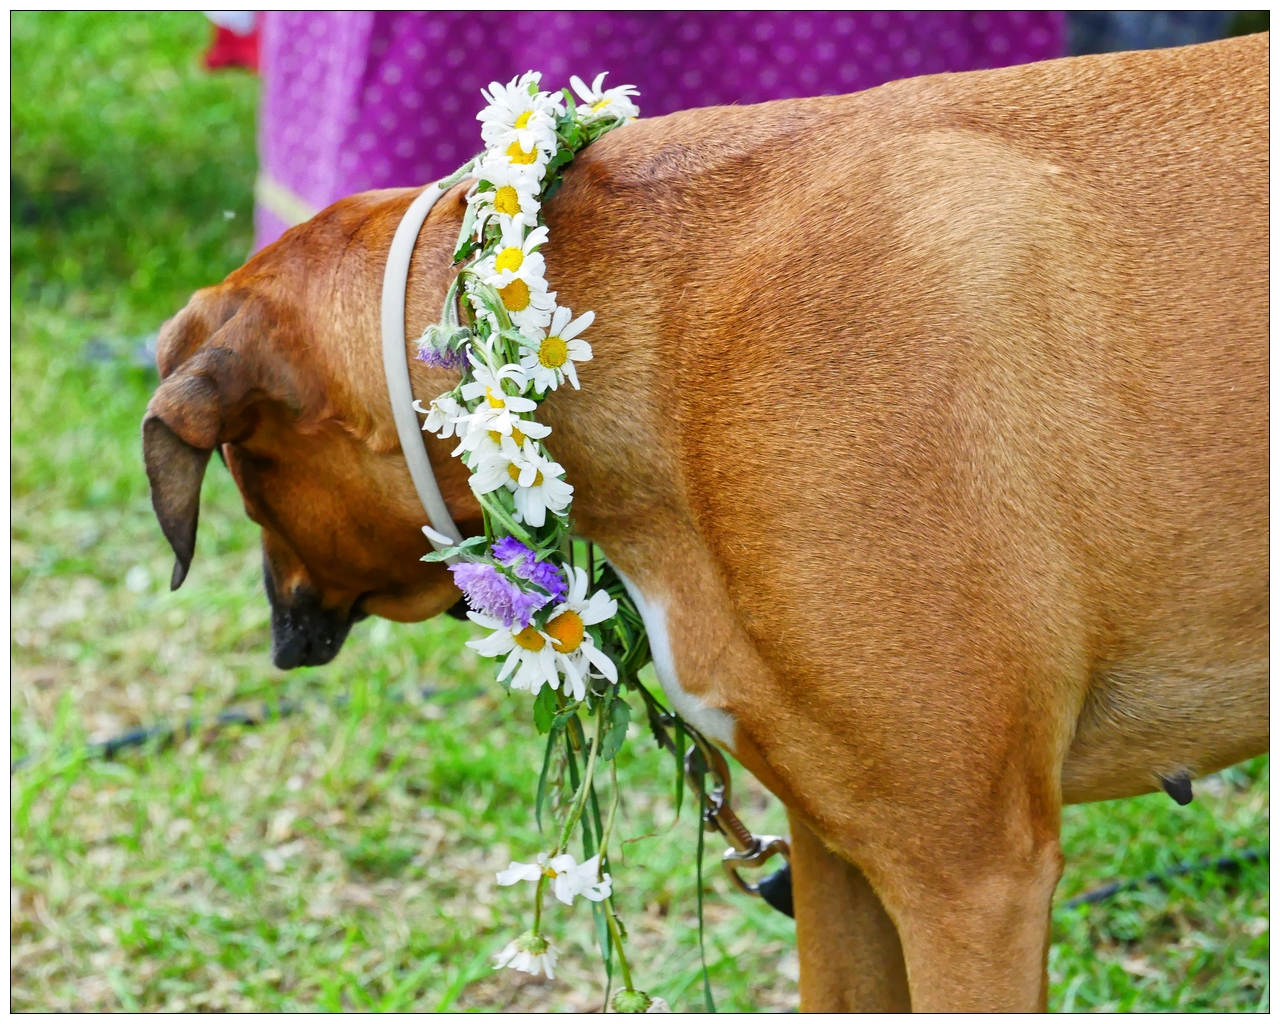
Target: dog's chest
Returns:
[[713, 722]]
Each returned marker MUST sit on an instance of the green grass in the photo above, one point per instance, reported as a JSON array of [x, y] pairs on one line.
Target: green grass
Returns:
[[343, 858]]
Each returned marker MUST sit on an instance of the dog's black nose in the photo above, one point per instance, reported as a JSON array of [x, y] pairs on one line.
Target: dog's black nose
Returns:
[[303, 633]]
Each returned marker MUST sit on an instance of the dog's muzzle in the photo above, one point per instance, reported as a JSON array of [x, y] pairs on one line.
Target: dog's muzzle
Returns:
[[303, 633]]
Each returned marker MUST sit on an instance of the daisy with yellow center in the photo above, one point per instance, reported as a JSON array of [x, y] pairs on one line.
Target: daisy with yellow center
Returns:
[[549, 355], [531, 660], [499, 410], [515, 257], [512, 193], [577, 657], [603, 103], [537, 486], [516, 113], [484, 435]]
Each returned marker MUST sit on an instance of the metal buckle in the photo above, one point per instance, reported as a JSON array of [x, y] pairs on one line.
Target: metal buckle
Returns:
[[765, 848], [746, 849]]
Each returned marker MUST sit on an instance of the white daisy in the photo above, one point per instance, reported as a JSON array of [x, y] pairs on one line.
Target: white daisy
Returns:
[[483, 433], [516, 112], [514, 194], [551, 357], [526, 300], [575, 652], [531, 158], [498, 410], [530, 953], [574, 879], [518, 872], [602, 103], [529, 653], [515, 257], [444, 415], [570, 878], [538, 486], [495, 466]]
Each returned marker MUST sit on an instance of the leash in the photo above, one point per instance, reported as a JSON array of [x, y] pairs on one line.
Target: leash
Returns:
[[395, 362], [746, 849], [703, 759]]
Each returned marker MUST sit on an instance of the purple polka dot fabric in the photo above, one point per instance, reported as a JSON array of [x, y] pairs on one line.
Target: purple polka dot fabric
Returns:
[[357, 100]]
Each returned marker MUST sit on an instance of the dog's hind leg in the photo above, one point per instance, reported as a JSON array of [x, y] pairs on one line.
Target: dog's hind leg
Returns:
[[850, 956]]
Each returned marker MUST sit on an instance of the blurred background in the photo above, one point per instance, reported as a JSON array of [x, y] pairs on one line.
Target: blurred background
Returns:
[[341, 854]]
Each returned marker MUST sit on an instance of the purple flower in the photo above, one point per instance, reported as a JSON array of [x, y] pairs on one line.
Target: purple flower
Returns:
[[490, 592], [522, 561], [445, 360]]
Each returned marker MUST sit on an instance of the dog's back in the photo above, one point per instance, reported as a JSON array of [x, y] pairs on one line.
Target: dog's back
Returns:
[[1001, 340]]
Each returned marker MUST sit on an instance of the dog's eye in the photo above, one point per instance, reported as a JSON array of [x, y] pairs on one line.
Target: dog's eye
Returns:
[[251, 461]]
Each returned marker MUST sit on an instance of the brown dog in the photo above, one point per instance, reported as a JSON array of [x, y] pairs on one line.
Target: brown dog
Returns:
[[928, 424]]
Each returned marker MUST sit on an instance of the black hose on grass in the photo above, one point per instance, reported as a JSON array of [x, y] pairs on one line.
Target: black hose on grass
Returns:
[[165, 733], [1221, 865]]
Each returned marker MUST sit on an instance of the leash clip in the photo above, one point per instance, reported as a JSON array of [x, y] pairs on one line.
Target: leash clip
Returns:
[[746, 848], [765, 847]]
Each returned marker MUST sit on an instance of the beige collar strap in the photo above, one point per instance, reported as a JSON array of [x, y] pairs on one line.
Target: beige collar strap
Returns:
[[395, 361]]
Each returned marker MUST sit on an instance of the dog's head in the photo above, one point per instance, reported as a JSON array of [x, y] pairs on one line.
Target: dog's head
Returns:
[[279, 368]]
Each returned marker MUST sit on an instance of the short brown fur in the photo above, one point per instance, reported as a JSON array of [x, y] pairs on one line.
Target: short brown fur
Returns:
[[937, 414]]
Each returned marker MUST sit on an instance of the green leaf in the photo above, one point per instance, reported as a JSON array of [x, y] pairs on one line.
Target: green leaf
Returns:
[[544, 709], [680, 747], [702, 942], [616, 735], [570, 713], [464, 234], [606, 945], [562, 157], [542, 779], [458, 549]]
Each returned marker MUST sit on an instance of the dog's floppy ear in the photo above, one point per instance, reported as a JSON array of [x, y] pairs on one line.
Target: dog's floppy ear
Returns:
[[176, 470], [213, 358]]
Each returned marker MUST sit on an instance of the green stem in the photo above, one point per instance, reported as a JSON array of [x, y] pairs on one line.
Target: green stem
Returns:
[[537, 904], [580, 798], [608, 904], [613, 810], [617, 944], [449, 315], [499, 513], [459, 174]]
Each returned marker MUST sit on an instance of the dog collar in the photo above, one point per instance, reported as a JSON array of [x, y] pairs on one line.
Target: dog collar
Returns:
[[395, 362]]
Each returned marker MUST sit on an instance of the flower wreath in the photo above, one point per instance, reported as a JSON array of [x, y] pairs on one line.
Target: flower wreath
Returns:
[[557, 612]]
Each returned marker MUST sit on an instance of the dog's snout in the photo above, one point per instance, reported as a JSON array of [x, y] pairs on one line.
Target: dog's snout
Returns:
[[302, 632]]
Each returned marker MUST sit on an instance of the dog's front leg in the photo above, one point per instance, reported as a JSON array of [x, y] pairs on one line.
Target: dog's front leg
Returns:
[[850, 956], [974, 922]]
